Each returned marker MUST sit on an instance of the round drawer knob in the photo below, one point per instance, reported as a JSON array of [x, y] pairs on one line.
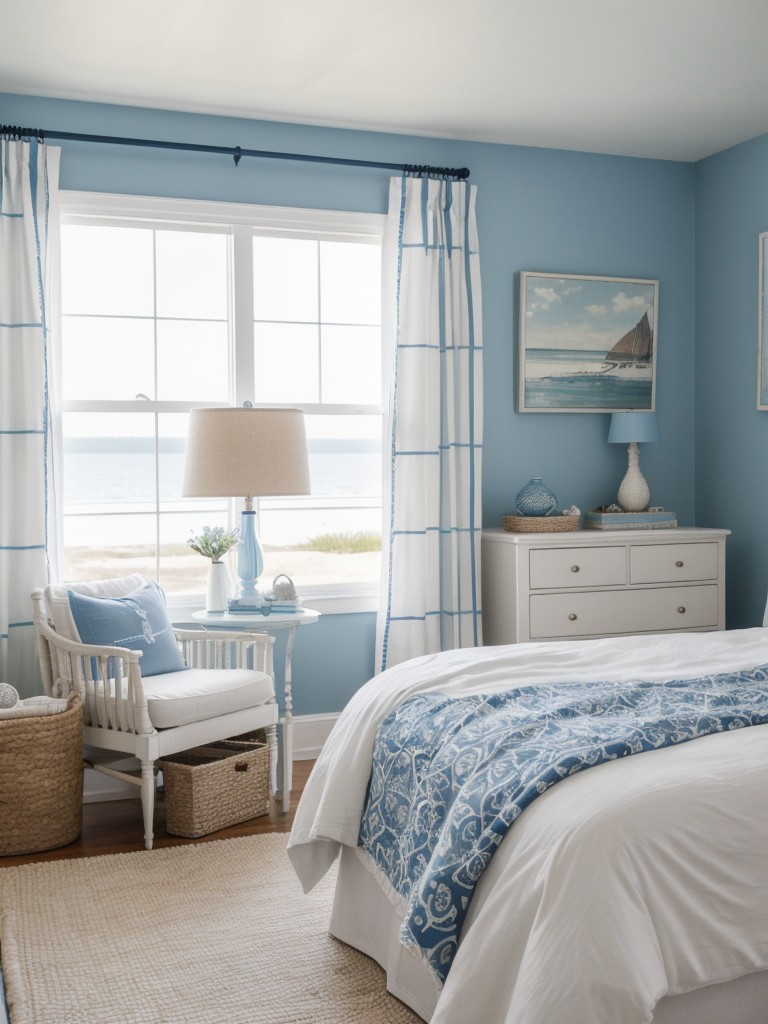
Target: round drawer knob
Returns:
[[572, 616], [681, 609], [574, 568], [679, 565]]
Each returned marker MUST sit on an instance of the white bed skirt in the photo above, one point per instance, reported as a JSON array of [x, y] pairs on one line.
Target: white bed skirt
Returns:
[[363, 917]]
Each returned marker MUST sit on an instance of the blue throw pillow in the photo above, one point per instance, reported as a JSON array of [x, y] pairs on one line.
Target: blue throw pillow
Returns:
[[138, 621]]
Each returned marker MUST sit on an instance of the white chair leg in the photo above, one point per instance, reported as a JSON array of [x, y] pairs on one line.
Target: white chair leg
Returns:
[[148, 801]]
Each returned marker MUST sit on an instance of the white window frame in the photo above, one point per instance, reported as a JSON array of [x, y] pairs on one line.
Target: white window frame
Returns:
[[243, 220]]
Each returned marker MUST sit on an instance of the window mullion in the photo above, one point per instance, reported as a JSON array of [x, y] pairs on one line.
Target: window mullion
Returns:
[[155, 417], [319, 325], [241, 318]]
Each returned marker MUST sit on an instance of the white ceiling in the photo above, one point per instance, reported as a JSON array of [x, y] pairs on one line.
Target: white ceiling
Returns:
[[673, 79]]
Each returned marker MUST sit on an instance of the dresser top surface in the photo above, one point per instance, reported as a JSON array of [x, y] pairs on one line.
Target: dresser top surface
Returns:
[[566, 538]]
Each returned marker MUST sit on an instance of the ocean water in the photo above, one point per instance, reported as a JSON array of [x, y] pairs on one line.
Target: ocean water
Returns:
[[571, 379], [97, 478], [99, 483]]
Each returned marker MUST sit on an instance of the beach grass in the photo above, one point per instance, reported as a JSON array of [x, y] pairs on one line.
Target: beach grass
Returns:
[[342, 543]]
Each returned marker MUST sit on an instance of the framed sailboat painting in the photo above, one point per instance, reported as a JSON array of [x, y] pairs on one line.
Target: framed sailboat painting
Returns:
[[587, 344]]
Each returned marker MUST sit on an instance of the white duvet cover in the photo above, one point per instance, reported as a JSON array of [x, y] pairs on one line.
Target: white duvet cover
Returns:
[[624, 883]]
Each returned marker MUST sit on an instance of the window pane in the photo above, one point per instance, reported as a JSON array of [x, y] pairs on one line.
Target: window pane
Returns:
[[286, 363], [192, 361], [325, 546], [107, 270], [182, 570], [284, 279], [351, 360], [107, 358], [172, 438], [109, 460], [350, 283], [101, 546], [192, 274], [344, 455]]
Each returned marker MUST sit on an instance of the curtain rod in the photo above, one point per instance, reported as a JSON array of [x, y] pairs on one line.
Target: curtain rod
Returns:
[[236, 152]]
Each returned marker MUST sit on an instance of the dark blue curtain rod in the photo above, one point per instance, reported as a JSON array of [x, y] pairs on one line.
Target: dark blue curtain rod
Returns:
[[236, 152]]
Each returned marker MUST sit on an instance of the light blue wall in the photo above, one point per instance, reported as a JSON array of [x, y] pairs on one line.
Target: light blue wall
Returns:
[[731, 435], [539, 210]]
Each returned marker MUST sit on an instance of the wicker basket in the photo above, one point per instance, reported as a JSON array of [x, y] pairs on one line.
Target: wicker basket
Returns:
[[541, 524], [212, 787], [41, 781]]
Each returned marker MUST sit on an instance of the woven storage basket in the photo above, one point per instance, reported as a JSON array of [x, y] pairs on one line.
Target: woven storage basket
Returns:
[[541, 524], [41, 781], [215, 786]]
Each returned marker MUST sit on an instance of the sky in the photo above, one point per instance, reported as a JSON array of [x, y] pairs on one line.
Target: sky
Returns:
[[587, 313]]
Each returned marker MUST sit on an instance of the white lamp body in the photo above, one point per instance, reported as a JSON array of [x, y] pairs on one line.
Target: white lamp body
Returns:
[[631, 428], [633, 493]]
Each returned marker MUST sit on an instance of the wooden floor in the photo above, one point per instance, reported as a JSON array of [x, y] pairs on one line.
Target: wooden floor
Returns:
[[115, 826]]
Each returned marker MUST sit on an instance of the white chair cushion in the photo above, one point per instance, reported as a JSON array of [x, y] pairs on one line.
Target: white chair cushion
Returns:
[[57, 599], [180, 698]]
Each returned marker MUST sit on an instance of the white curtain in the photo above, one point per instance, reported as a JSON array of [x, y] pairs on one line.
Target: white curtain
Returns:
[[29, 175], [432, 513]]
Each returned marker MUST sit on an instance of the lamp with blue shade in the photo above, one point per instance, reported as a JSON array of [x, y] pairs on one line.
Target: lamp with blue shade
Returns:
[[249, 453], [633, 428]]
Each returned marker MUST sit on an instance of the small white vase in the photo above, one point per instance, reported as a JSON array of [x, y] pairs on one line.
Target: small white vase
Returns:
[[217, 589]]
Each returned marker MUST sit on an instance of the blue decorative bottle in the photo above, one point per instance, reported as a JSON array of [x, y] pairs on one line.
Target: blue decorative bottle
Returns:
[[535, 499]]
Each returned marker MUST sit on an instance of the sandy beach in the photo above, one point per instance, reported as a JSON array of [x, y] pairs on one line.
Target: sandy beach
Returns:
[[186, 573]]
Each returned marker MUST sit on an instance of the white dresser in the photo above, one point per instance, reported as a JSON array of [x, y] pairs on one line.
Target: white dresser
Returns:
[[590, 583]]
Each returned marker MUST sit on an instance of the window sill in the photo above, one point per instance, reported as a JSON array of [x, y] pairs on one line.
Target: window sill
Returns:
[[329, 602]]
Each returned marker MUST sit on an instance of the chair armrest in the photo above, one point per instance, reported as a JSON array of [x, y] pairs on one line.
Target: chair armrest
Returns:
[[107, 680], [86, 650], [202, 648]]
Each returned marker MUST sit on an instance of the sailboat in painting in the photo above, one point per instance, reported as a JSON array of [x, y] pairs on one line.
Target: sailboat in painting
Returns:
[[632, 355]]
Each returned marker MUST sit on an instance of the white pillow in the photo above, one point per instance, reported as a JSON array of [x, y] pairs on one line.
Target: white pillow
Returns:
[[58, 602]]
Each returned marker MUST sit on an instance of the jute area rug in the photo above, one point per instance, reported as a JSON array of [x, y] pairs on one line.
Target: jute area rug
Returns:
[[214, 933]]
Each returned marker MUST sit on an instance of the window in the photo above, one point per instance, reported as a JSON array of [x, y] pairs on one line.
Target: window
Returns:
[[167, 305]]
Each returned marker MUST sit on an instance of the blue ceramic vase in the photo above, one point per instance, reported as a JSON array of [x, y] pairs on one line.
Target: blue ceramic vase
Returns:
[[535, 499]]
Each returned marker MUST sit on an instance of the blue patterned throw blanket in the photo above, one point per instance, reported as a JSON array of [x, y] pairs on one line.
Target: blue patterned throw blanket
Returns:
[[451, 775]]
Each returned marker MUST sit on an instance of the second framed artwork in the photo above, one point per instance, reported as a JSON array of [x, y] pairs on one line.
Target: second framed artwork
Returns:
[[587, 344]]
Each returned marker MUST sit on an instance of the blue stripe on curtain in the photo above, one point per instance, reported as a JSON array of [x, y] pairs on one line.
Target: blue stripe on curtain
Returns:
[[28, 191], [430, 599]]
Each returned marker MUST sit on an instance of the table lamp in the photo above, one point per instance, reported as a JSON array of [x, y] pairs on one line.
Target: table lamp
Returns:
[[249, 453], [633, 428]]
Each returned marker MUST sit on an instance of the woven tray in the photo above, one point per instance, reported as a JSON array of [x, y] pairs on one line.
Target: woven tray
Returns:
[[541, 524], [41, 780], [212, 787]]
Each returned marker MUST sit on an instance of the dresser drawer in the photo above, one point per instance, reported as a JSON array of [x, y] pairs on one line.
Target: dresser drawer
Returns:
[[656, 610], [671, 563], [559, 568]]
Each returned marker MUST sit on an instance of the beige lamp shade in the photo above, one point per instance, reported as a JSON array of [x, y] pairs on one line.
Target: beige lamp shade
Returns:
[[245, 452]]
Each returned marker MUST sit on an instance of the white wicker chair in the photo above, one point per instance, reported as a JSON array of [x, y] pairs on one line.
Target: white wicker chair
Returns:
[[228, 691]]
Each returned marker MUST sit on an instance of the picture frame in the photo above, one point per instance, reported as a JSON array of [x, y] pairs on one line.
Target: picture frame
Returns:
[[762, 324], [587, 344]]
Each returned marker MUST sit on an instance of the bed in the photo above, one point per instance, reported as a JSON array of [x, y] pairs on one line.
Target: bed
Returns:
[[632, 892]]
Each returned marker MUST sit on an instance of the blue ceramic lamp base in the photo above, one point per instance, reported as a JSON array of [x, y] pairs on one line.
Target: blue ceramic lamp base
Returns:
[[250, 564]]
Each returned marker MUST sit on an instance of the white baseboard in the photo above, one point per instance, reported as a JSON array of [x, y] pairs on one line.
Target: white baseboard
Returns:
[[309, 734]]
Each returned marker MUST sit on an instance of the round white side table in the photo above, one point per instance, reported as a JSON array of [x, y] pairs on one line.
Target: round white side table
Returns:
[[255, 622]]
